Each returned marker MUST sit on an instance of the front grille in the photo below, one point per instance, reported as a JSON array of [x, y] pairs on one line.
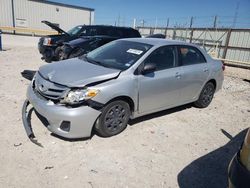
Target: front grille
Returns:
[[48, 89]]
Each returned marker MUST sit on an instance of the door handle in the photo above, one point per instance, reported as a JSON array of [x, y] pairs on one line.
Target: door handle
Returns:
[[205, 70], [178, 75]]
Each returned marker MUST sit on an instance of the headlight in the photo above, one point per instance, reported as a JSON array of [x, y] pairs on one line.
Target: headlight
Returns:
[[79, 95], [47, 41]]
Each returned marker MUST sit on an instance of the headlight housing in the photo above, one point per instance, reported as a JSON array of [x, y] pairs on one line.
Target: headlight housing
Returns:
[[47, 41], [79, 95]]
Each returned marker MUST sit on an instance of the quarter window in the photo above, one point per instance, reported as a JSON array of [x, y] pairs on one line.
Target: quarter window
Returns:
[[163, 58], [190, 55]]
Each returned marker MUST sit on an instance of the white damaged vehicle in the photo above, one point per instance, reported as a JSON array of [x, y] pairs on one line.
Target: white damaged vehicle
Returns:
[[123, 79]]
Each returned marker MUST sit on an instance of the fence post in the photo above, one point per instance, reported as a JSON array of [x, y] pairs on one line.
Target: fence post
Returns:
[[174, 34], [191, 22], [226, 44], [191, 35], [1, 40], [215, 22]]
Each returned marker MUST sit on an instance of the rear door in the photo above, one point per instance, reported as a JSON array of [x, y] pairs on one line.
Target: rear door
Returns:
[[161, 88], [195, 72]]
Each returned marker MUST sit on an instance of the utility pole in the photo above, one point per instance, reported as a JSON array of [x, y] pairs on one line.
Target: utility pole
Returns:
[[118, 21], [156, 22], [134, 24], [143, 22], [166, 27], [215, 22], [191, 22], [167, 23], [236, 14]]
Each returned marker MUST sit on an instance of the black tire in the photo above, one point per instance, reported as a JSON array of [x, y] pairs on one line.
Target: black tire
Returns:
[[47, 56], [114, 119], [76, 53], [59, 54], [206, 96]]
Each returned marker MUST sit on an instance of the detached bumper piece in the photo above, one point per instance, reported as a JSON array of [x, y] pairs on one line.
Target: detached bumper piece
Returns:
[[28, 74], [26, 121], [239, 176]]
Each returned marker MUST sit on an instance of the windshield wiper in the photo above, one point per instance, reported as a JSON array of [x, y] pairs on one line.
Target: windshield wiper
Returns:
[[92, 61], [96, 62]]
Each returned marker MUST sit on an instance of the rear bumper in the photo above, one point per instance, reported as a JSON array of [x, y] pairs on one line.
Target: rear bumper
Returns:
[[80, 119], [239, 176]]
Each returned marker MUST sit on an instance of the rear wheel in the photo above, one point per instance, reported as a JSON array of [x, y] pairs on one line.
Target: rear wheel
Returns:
[[206, 96], [114, 119]]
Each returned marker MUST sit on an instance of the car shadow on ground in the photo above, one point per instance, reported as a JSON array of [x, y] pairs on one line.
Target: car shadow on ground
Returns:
[[159, 114], [210, 170]]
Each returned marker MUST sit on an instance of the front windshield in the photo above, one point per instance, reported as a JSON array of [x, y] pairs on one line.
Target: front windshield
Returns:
[[74, 30], [119, 54]]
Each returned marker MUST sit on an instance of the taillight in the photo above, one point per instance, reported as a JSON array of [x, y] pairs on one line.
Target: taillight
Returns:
[[223, 66]]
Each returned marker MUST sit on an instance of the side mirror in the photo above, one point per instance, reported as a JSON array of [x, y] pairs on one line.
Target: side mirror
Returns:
[[148, 68]]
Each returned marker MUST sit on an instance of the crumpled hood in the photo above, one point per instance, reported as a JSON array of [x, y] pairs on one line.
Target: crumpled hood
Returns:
[[76, 72]]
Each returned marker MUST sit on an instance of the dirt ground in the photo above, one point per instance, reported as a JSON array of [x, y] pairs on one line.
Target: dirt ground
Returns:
[[181, 147]]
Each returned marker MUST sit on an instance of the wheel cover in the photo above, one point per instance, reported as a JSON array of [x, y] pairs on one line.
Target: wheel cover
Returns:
[[60, 55], [208, 94], [115, 118]]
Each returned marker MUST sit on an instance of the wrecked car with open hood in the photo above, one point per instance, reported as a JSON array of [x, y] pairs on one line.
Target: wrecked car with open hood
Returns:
[[123, 79], [49, 46], [84, 38]]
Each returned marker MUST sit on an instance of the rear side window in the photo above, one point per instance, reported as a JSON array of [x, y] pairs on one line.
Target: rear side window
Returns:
[[190, 55], [116, 33], [132, 33], [163, 58]]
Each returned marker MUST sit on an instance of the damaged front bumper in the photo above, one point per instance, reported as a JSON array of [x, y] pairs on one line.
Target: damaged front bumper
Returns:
[[63, 121]]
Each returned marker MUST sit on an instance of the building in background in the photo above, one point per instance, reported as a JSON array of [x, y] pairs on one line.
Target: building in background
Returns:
[[30, 13]]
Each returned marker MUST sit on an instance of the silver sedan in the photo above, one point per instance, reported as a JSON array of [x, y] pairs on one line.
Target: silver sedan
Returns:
[[119, 81]]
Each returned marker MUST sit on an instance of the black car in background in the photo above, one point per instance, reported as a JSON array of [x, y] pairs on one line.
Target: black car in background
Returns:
[[49, 45], [93, 37], [88, 38]]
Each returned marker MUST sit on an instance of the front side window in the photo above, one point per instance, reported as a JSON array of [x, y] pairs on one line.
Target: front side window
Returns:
[[190, 55], [119, 54], [74, 30], [163, 58]]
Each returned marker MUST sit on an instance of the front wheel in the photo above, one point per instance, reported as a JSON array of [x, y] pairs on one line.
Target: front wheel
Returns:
[[206, 96], [59, 53], [76, 53], [114, 119]]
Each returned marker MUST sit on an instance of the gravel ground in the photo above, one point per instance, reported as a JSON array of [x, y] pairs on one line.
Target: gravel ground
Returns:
[[181, 147]]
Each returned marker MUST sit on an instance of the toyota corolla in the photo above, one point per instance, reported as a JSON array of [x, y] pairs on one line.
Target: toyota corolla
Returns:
[[119, 81]]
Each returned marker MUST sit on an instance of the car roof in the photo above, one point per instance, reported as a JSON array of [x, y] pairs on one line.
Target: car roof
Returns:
[[109, 26], [158, 41]]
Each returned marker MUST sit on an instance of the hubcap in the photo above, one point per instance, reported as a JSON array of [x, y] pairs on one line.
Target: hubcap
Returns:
[[208, 94], [114, 118], [60, 55]]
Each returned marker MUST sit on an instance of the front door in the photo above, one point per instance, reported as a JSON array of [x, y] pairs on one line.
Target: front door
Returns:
[[161, 88]]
